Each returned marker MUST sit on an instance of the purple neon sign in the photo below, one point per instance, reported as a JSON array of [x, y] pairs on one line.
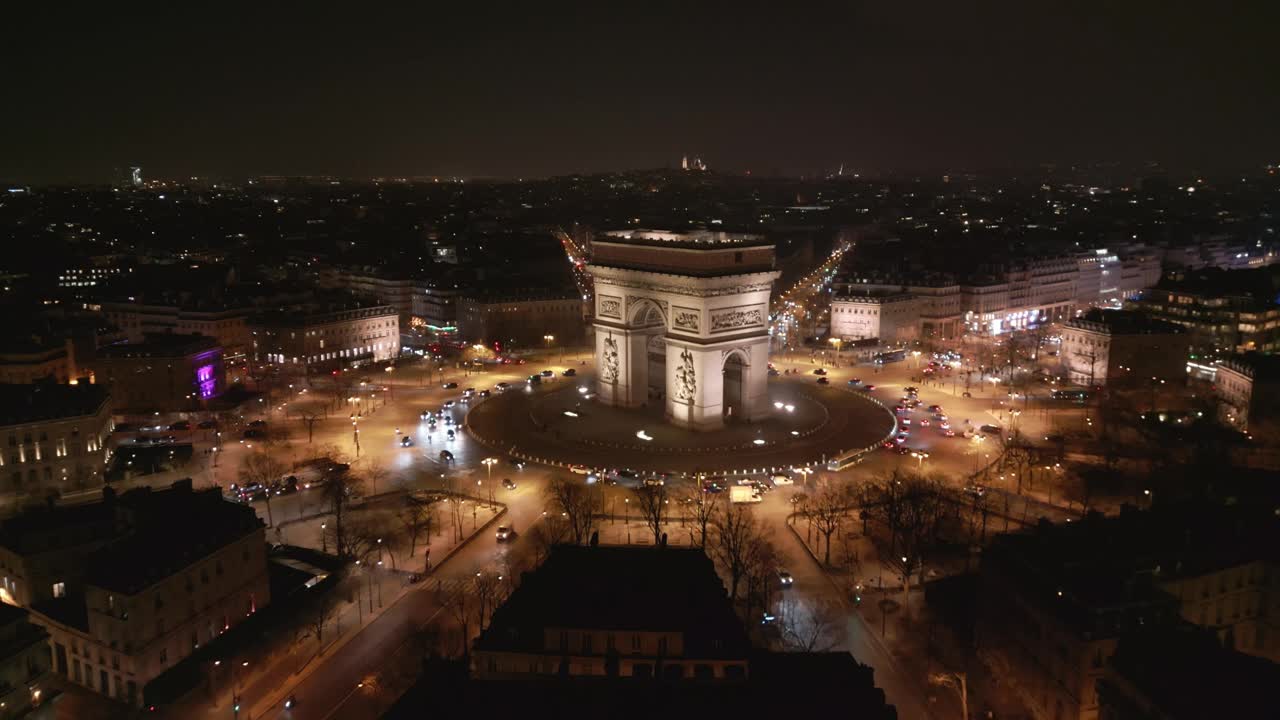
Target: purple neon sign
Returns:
[[207, 381]]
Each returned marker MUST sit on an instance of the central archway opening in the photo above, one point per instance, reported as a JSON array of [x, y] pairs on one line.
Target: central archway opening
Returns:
[[656, 351], [733, 372]]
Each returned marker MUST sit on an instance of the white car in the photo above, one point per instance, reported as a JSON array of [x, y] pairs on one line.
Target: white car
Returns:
[[448, 404], [504, 533], [785, 579], [502, 386], [780, 479], [579, 469]]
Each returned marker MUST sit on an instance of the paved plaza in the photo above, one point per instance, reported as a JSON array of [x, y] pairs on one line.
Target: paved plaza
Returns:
[[824, 422]]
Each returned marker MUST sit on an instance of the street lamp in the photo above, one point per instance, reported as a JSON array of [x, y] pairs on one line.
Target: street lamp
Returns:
[[355, 431], [489, 462]]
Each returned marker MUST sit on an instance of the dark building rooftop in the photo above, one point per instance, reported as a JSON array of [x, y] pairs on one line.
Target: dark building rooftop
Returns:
[[1185, 674], [1260, 286], [1124, 322], [781, 685], [620, 588], [47, 401], [1256, 365], [1107, 569], [161, 345]]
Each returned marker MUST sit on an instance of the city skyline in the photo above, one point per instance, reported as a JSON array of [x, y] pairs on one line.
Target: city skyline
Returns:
[[502, 94]]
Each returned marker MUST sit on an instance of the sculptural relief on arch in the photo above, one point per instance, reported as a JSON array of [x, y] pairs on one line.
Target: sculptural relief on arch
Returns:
[[682, 319]]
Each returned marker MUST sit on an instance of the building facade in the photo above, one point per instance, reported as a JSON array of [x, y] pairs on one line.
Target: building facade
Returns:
[[1105, 346], [55, 439], [163, 373], [128, 587], [229, 327], [24, 662], [893, 317], [328, 336], [521, 320], [1225, 312], [1248, 390]]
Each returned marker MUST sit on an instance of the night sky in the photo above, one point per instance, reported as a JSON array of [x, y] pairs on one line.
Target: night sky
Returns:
[[535, 89]]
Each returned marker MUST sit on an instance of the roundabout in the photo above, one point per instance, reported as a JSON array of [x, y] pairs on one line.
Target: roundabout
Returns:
[[564, 423]]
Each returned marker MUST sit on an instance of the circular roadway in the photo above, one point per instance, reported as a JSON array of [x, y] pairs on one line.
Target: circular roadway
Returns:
[[533, 423]]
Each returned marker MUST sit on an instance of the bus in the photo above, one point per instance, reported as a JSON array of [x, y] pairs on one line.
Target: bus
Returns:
[[1079, 397], [892, 356]]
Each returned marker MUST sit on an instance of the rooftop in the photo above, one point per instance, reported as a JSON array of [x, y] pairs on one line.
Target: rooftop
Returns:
[[1255, 365], [1103, 564], [161, 345], [1174, 669], [1124, 322], [21, 404], [700, 239], [621, 588]]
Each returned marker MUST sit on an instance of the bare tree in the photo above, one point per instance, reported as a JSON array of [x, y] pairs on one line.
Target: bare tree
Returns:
[[760, 576], [318, 616], [375, 471], [576, 504], [818, 627], [736, 534], [309, 417], [417, 519], [263, 469], [828, 509], [702, 509], [337, 493], [654, 507], [545, 534]]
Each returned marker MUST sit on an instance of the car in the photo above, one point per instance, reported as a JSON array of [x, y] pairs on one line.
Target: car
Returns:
[[207, 424], [450, 434], [823, 381], [502, 386], [448, 419], [570, 372], [773, 372], [940, 417], [935, 408], [714, 485], [924, 422], [975, 491], [406, 441], [855, 381], [820, 371], [888, 445], [448, 404], [426, 415], [948, 432], [911, 390], [905, 421], [516, 463], [508, 484], [468, 392], [654, 481], [446, 456], [990, 429], [504, 533], [450, 386], [781, 479], [258, 423], [548, 373], [944, 425], [464, 400], [904, 450], [899, 408], [180, 425], [768, 618], [785, 579], [534, 380], [578, 469], [900, 438], [484, 393], [868, 388]]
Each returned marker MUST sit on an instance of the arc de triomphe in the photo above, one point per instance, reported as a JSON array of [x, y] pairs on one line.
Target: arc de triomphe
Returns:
[[682, 318]]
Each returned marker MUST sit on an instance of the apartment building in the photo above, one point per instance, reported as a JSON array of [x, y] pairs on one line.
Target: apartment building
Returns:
[[892, 317], [1105, 346], [1248, 390], [1225, 311], [341, 334], [24, 662], [129, 586], [522, 319], [163, 373], [54, 439], [1056, 601], [228, 326]]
